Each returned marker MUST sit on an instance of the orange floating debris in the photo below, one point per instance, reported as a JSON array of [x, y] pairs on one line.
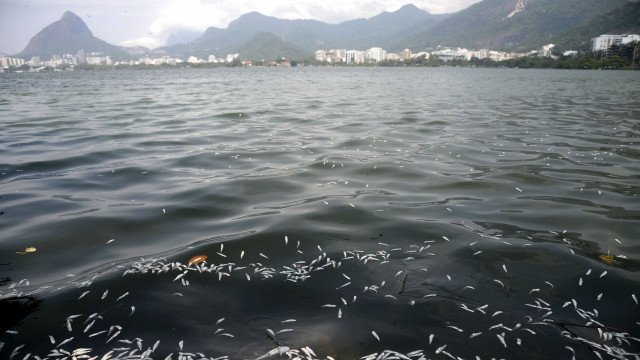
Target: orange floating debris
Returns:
[[197, 259], [608, 259]]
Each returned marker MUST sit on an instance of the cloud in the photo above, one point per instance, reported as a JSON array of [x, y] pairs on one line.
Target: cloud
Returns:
[[195, 15], [146, 41]]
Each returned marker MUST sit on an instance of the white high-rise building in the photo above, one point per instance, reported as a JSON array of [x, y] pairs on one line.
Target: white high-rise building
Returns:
[[35, 61], [82, 58], [17, 62], [320, 55], [94, 60], [546, 51], [376, 54], [354, 57], [482, 54], [393, 57], [603, 42], [340, 54], [420, 54], [629, 38], [231, 57], [449, 54]]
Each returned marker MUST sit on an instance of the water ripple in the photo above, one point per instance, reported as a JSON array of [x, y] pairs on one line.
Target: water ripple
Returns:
[[456, 174]]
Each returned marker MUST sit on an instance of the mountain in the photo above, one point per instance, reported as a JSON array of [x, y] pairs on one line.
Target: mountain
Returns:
[[266, 45], [623, 20], [385, 29], [510, 24], [309, 35], [66, 36], [222, 41], [182, 36], [492, 24]]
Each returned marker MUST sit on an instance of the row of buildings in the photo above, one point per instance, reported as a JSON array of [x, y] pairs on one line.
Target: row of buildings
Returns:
[[167, 60], [81, 58], [372, 55], [376, 54], [603, 44], [212, 59], [57, 60], [6, 62]]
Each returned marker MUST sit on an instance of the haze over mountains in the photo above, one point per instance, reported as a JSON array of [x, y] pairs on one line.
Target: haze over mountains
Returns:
[[493, 24]]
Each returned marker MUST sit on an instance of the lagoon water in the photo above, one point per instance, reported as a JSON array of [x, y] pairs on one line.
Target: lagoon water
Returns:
[[433, 212]]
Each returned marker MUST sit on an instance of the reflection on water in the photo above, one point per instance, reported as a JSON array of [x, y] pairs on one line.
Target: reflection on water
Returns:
[[345, 213], [15, 309]]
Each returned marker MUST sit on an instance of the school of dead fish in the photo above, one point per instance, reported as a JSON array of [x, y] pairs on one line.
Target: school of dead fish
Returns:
[[83, 330]]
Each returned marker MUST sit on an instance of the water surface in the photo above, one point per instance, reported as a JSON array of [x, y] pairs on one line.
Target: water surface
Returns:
[[494, 211]]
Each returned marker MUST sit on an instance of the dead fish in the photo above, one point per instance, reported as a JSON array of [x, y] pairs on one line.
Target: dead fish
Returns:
[[278, 351], [375, 335]]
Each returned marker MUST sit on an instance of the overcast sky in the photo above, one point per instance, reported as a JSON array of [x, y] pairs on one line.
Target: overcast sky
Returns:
[[149, 22]]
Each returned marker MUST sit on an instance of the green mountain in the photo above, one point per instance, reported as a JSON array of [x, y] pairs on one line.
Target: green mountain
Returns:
[[67, 36], [182, 36], [266, 45], [492, 24], [384, 30], [623, 20], [510, 24], [309, 35]]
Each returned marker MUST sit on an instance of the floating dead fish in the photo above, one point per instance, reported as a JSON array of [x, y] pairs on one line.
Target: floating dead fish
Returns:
[[279, 351]]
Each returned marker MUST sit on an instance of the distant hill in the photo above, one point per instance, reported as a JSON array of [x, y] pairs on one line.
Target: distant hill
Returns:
[[385, 29], [266, 45], [182, 36], [623, 20], [510, 24], [309, 35], [66, 36]]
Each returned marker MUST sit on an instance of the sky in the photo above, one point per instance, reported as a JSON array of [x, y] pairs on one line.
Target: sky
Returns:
[[150, 22]]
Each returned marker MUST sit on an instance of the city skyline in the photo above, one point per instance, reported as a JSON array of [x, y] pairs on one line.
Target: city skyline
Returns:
[[602, 44], [149, 23]]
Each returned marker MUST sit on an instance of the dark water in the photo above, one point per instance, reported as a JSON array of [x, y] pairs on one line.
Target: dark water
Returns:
[[427, 207]]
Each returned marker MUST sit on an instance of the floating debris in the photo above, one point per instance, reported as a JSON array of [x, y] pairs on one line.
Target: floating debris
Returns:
[[609, 259], [198, 259], [30, 249]]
